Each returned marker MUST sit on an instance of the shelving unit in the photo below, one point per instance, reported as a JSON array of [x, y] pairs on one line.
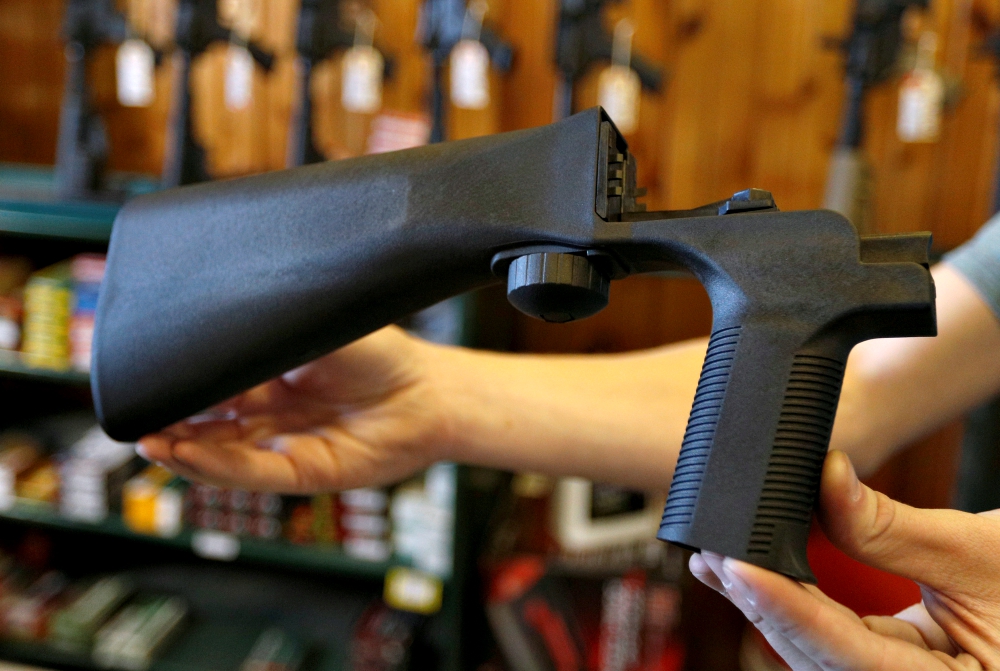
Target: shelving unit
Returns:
[[12, 366], [31, 219], [270, 552]]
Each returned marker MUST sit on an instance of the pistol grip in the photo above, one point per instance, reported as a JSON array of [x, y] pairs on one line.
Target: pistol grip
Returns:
[[782, 485]]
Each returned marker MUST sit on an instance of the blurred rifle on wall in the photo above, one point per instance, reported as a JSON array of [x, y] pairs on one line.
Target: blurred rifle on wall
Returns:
[[581, 39], [321, 33], [443, 24], [82, 146], [872, 51], [197, 28]]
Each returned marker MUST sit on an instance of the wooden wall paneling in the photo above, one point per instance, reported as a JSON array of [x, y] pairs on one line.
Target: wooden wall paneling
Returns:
[[710, 103], [528, 89], [968, 162], [31, 79], [409, 89], [799, 93]]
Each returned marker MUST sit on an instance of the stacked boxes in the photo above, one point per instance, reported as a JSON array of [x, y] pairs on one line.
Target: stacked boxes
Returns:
[[93, 475], [102, 618], [26, 612], [14, 272], [364, 524], [153, 502], [235, 511], [275, 650], [132, 637], [312, 520], [73, 627], [87, 271], [423, 520], [18, 454], [59, 306], [47, 301]]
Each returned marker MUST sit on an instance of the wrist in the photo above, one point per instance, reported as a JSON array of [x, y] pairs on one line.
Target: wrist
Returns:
[[445, 417]]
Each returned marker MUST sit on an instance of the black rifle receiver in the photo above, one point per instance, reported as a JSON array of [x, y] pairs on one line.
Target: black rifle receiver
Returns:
[[214, 288], [197, 27], [82, 147], [581, 39], [440, 29]]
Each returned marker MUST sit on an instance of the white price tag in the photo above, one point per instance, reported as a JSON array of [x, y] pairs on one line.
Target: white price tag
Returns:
[[134, 64], [618, 93], [921, 96], [216, 545], [361, 87], [239, 78], [470, 81]]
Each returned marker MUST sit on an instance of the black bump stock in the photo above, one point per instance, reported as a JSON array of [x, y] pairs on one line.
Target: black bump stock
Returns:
[[214, 288]]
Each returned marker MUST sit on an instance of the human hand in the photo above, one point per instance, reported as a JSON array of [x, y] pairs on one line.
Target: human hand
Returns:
[[954, 556], [365, 414]]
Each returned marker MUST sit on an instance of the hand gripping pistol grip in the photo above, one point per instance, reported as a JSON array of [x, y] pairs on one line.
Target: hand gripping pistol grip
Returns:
[[214, 288]]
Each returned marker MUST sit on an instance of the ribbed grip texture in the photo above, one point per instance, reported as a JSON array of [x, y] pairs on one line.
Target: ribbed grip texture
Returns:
[[701, 427], [800, 445]]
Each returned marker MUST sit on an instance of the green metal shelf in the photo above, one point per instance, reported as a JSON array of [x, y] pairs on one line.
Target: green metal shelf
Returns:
[[28, 205], [276, 553], [11, 365]]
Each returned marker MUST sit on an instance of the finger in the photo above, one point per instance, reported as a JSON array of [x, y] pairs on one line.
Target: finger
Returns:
[[884, 625], [703, 572], [944, 549], [234, 464], [818, 593], [716, 578], [934, 636], [362, 373], [825, 635], [970, 631]]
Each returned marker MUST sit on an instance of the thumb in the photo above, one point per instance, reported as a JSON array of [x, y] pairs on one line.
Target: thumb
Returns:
[[946, 550]]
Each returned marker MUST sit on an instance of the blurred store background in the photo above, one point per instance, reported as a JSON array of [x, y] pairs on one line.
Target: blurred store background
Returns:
[[884, 109]]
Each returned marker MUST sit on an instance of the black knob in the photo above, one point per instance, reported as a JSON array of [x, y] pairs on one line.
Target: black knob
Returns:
[[556, 287]]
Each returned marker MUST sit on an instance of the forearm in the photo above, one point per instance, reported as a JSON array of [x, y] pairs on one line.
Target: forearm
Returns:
[[611, 418], [621, 418], [898, 390]]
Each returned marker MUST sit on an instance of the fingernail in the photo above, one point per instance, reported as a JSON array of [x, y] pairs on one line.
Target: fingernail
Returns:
[[140, 449], [855, 483], [737, 589], [274, 444]]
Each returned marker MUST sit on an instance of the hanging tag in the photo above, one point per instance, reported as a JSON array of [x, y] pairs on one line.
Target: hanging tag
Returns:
[[618, 94], [361, 83], [921, 96], [920, 99], [618, 87], [134, 64], [239, 77], [470, 81]]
